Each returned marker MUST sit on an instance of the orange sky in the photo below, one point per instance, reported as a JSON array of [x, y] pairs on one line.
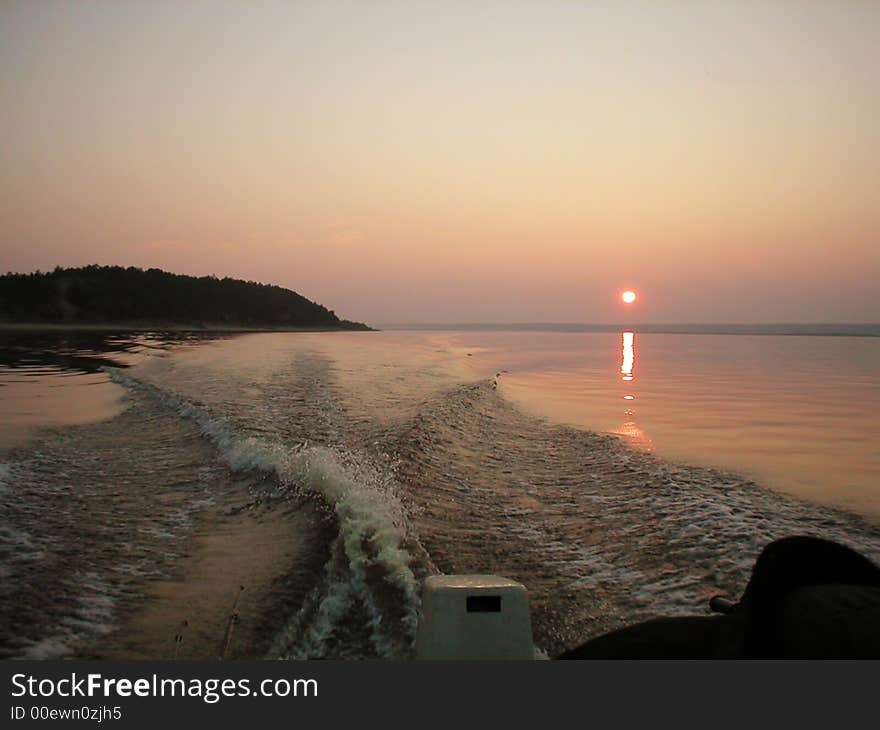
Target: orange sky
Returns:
[[456, 162]]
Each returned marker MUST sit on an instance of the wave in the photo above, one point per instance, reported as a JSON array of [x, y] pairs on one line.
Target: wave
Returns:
[[600, 535], [369, 570]]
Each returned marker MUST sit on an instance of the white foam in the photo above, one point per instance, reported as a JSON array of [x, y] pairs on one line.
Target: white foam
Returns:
[[48, 648], [371, 519]]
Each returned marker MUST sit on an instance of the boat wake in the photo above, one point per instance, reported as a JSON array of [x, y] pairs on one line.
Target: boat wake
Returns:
[[411, 473], [368, 591]]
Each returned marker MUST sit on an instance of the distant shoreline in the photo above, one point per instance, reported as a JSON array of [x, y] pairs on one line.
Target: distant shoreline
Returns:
[[165, 327], [780, 329]]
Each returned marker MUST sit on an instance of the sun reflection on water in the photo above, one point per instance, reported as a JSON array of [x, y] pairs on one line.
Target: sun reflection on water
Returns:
[[629, 356], [629, 429]]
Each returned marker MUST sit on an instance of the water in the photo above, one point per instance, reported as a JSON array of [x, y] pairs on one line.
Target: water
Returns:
[[796, 413], [386, 457]]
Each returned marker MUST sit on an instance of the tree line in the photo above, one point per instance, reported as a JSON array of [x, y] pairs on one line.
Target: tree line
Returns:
[[115, 294]]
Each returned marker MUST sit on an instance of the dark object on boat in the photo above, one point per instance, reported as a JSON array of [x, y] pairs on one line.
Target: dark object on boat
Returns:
[[807, 598], [720, 604]]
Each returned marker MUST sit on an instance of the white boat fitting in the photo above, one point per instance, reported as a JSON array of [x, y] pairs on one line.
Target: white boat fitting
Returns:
[[474, 617]]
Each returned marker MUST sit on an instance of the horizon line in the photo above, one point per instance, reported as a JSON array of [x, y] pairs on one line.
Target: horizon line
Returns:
[[859, 329]]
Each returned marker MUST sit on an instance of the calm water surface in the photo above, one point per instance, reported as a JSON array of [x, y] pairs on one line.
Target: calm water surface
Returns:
[[799, 414]]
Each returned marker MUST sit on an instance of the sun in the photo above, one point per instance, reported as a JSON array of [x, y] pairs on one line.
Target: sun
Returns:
[[628, 297]]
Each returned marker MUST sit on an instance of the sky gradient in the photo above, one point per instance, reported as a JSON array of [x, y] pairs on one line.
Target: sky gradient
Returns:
[[456, 162]]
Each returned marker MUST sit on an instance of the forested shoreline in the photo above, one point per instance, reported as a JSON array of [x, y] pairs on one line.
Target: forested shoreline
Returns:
[[96, 295]]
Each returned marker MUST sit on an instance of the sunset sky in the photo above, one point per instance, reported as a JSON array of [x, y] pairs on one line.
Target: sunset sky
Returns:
[[456, 162]]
